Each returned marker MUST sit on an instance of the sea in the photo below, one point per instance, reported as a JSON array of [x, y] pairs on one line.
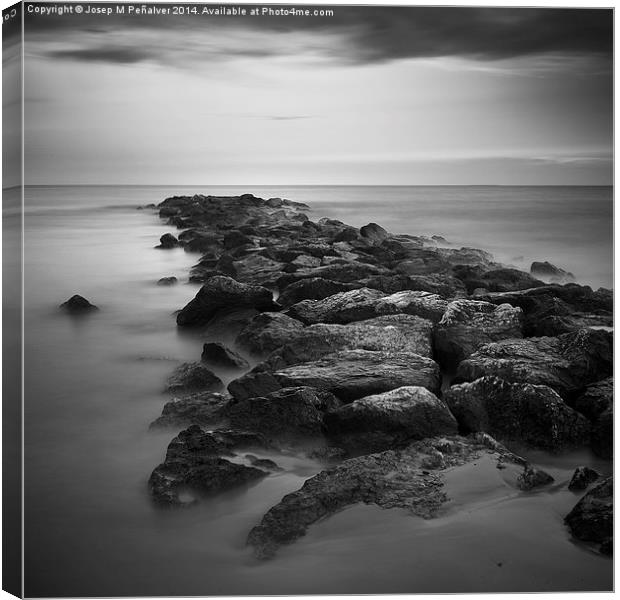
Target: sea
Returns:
[[93, 385]]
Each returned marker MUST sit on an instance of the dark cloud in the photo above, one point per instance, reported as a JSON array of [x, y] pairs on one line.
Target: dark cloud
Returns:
[[377, 34]]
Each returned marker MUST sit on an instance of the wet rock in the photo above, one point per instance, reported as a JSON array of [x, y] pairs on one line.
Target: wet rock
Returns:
[[314, 288], [383, 421], [223, 293], [267, 332], [545, 270], [193, 463], [565, 363], [193, 377], [533, 477], [374, 233], [217, 354], [353, 374], [168, 241], [582, 478], [205, 408], [78, 305], [252, 385], [167, 281], [467, 325], [287, 412], [531, 414], [391, 479], [591, 520]]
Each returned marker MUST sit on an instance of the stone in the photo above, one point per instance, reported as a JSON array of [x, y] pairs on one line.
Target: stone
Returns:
[[78, 305], [374, 233], [216, 353], [494, 280], [545, 270], [168, 241], [314, 288], [263, 463], [167, 281], [596, 402], [531, 478], [582, 478], [193, 377], [534, 415], [467, 325], [267, 332], [204, 408], [223, 293], [252, 385]]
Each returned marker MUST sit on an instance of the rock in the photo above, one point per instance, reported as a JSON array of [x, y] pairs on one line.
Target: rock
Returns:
[[167, 281], [267, 332], [205, 408], [374, 233], [263, 463], [258, 270], [193, 463], [314, 288], [234, 239], [391, 418], [193, 377], [596, 402], [531, 414], [217, 354], [167, 241], [287, 412], [494, 280], [467, 325], [591, 520], [403, 479], [582, 478], [353, 374], [350, 272], [253, 385], [532, 478], [364, 303], [565, 363], [223, 293], [602, 441], [78, 305], [549, 272]]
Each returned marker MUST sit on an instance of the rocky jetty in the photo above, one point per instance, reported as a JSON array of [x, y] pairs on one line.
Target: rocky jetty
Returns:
[[392, 359]]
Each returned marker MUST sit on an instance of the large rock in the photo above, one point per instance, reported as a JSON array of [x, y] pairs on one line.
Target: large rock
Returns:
[[253, 384], [531, 414], [545, 270], [469, 324], [592, 518], [494, 280], [194, 464], [383, 421], [167, 241], [411, 479], [314, 288], [582, 478], [268, 331], [442, 285], [374, 233], [365, 303], [353, 374], [596, 402], [78, 305], [565, 363], [216, 353], [287, 412], [223, 293], [204, 408], [193, 377]]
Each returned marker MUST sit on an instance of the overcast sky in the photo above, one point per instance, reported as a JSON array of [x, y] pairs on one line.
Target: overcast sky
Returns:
[[369, 96]]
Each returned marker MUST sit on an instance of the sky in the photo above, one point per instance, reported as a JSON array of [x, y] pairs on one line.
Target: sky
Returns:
[[368, 96]]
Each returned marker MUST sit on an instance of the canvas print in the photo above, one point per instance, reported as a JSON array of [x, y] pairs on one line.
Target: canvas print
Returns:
[[317, 299]]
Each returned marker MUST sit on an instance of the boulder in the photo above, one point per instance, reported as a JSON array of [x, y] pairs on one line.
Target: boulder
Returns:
[[565, 363], [353, 374], [467, 325], [545, 270], [494, 280], [582, 478], [204, 408], [193, 377], [223, 293], [442, 285], [534, 415], [167, 281], [167, 241], [532, 478], [374, 233], [267, 332], [592, 518], [287, 412], [78, 305], [252, 385], [596, 402], [383, 421], [314, 288], [217, 354]]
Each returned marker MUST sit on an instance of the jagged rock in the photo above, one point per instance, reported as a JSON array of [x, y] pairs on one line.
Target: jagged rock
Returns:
[[193, 377], [217, 354], [283, 413], [592, 518], [383, 421], [193, 463], [374, 233], [223, 293], [314, 288], [550, 272], [530, 414], [205, 408], [582, 478], [353, 374], [78, 305], [411, 479], [167, 281], [252, 385], [565, 363], [268, 331], [467, 325], [167, 241]]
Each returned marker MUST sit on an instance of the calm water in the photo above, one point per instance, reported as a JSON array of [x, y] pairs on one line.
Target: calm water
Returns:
[[92, 387]]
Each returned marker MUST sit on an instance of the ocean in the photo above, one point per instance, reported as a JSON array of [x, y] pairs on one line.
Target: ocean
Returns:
[[93, 385]]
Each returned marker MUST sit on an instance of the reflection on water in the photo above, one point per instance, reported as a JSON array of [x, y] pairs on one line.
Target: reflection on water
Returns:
[[92, 387]]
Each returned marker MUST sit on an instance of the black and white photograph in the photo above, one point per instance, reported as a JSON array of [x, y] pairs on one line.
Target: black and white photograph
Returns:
[[307, 299]]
